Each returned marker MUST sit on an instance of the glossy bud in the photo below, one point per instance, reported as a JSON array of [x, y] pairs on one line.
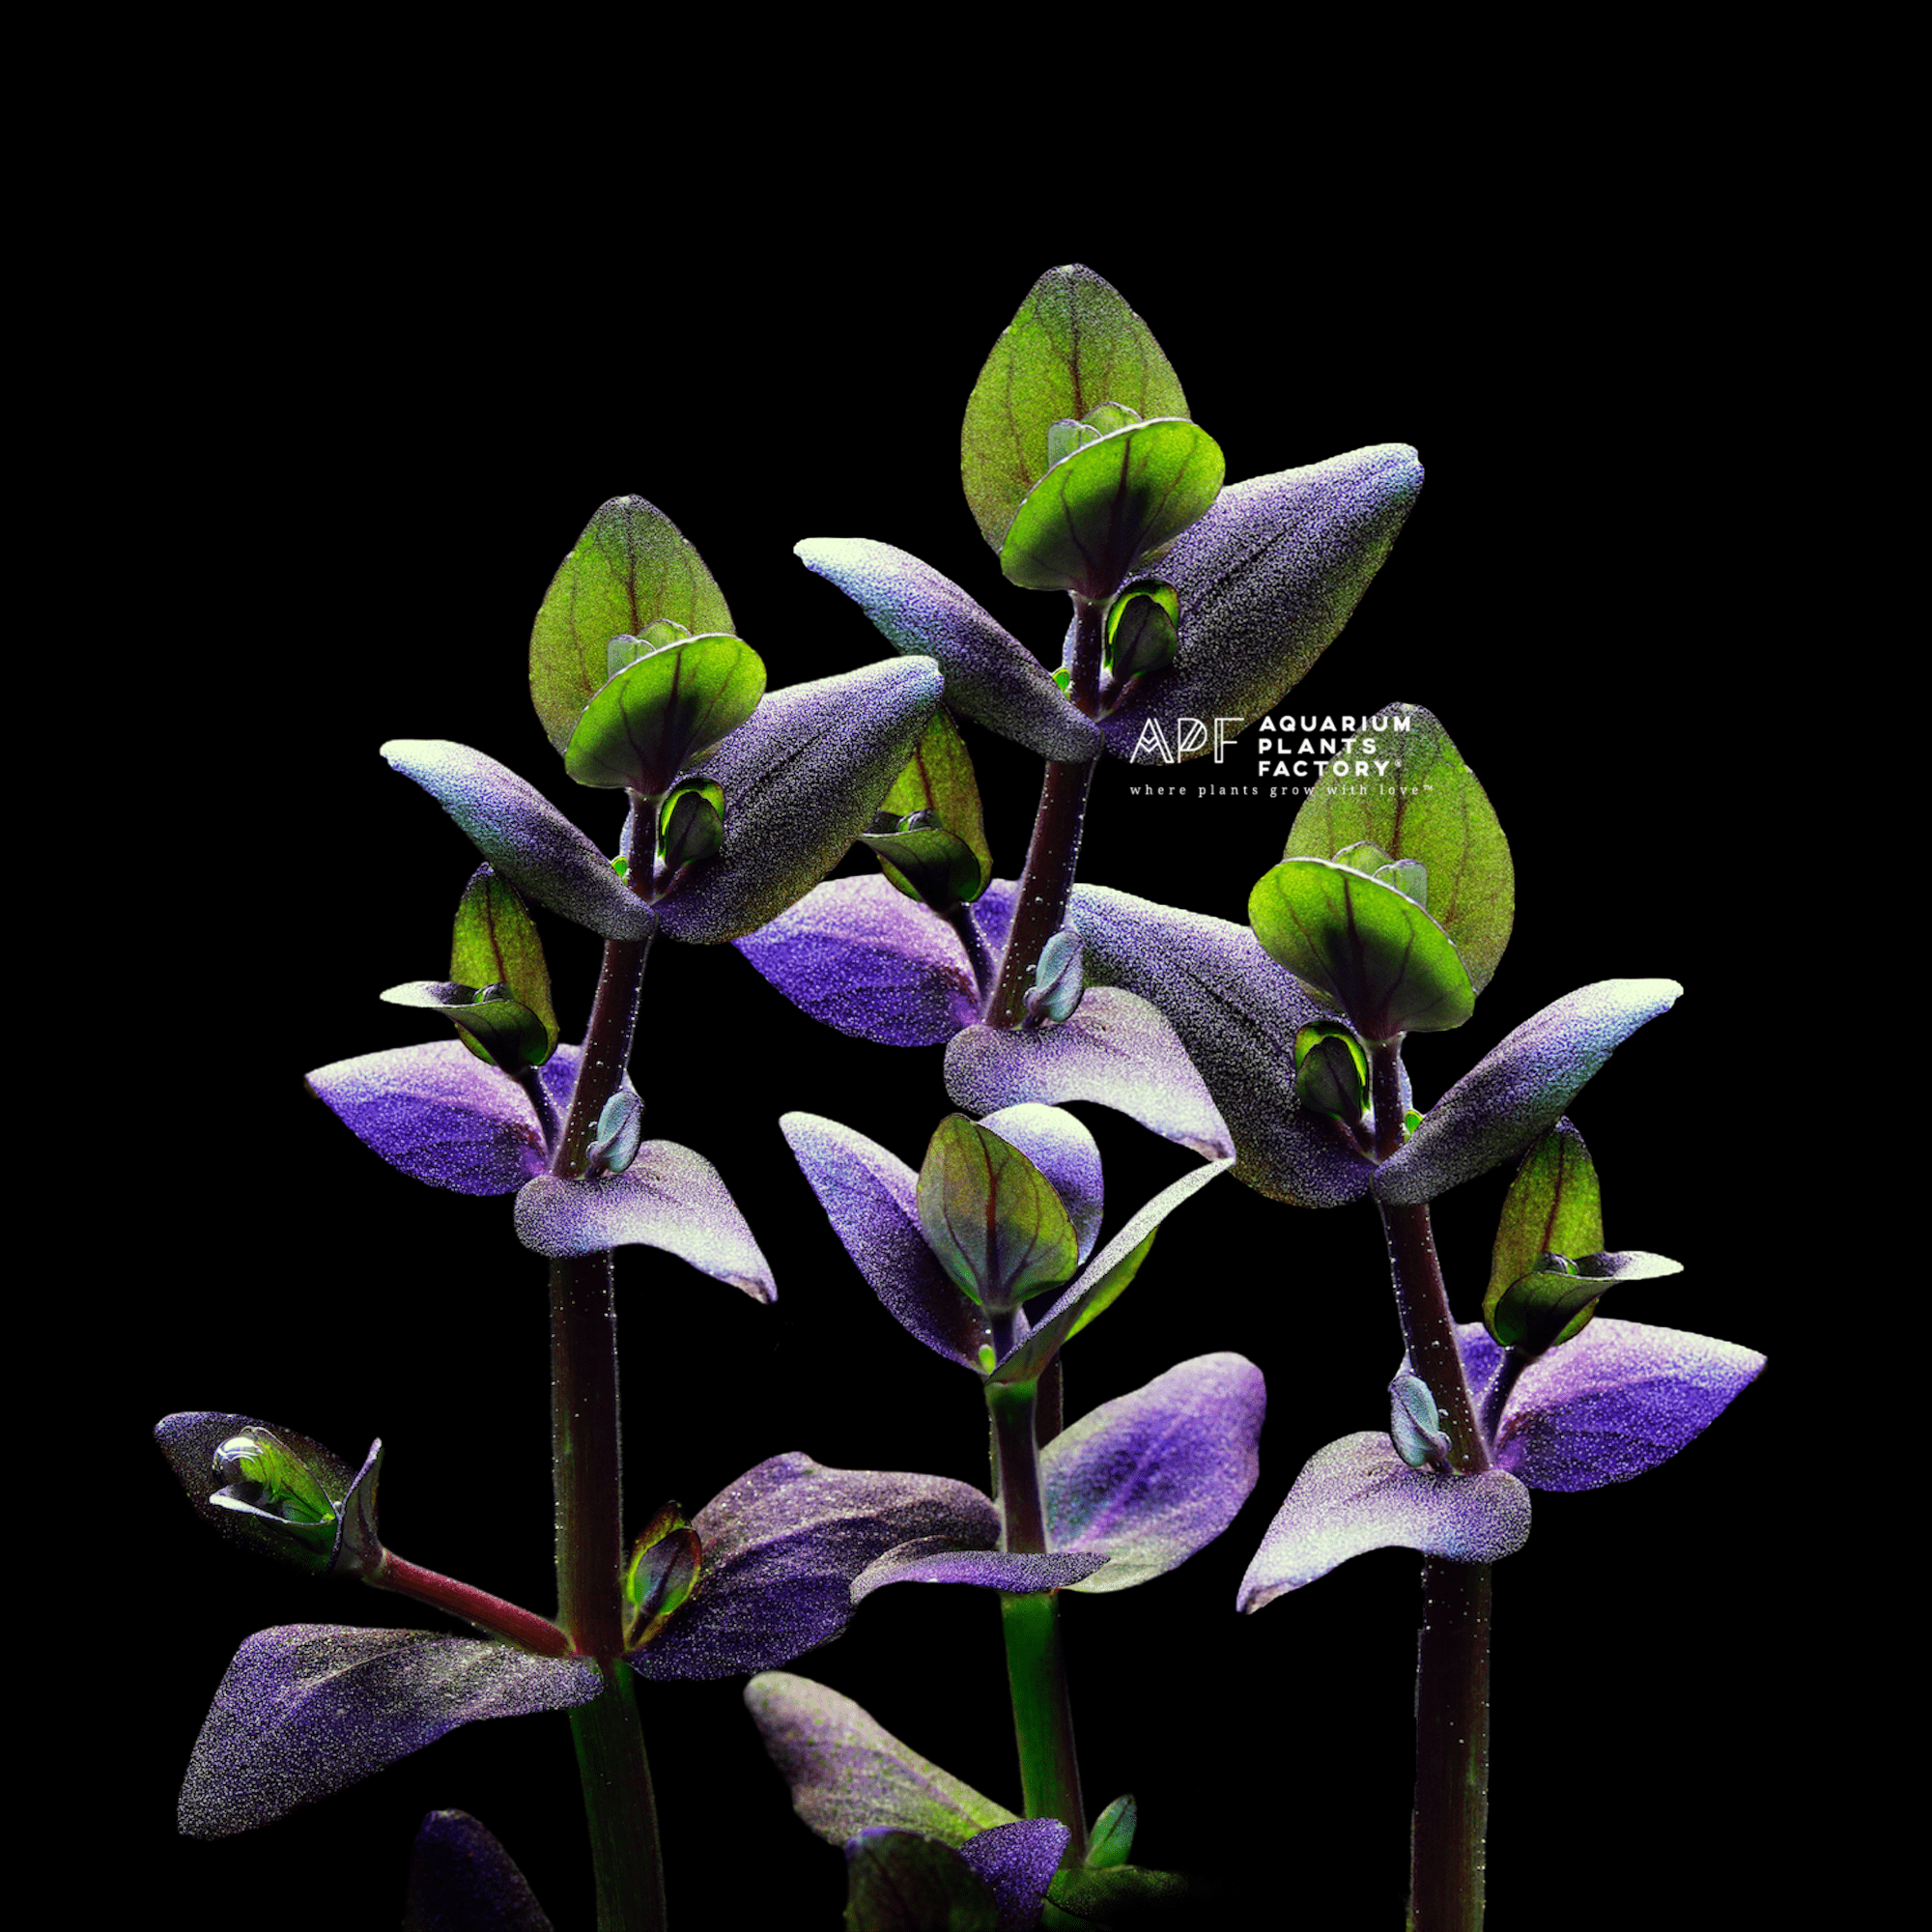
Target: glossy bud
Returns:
[[691, 823], [1415, 1427], [665, 1563], [1059, 980], [620, 1129], [1331, 1072]]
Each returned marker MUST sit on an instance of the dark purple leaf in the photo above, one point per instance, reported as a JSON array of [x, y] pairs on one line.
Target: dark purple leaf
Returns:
[[848, 1774], [1117, 1049], [442, 1116], [860, 957], [1618, 1400], [1018, 1861], [801, 780], [462, 1879], [523, 836], [1517, 1093], [1358, 1495], [781, 1546], [1267, 580], [306, 1708], [666, 1198], [928, 1559], [1149, 1478], [872, 1197], [990, 677], [1237, 1013]]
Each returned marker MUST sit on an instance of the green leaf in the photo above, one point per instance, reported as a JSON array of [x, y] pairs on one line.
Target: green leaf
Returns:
[[1428, 808], [924, 861], [900, 1882], [496, 944], [1113, 507], [1074, 345], [1362, 945], [991, 1218], [1112, 1839], [630, 567], [1081, 1897], [664, 713], [497, 1031], [1553, 1207], [939, 778]]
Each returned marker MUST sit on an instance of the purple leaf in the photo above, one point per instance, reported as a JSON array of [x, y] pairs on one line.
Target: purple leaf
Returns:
[[848, 1774], [928, 1559], [1267, 580], [1358, 1495], [801, 780], [1060, 1146], [522, 835], [306, 1708], [1237, 1013], [462, 1879], [440, 1116], [1117, 1050], [1149, 1478], [1517, 1093], [1618, 1400], [668, 1198], [781, 1546], [860, 957], [990, 677], [872, 1197], [1018, 1861]]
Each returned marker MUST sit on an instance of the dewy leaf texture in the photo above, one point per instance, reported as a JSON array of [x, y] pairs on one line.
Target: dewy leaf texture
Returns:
[[306, 1708], [1267, 580], [666, 1198], [1519, 1090], [781, 1546], [849, 1775]]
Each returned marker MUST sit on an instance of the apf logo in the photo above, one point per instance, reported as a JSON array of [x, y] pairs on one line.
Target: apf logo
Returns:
[[1286, 748]]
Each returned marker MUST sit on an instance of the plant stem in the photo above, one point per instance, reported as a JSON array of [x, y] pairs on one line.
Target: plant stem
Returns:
[[1452, 1749], [1046, 885], [1452, 1679], [620, 1805], [475, 1606], [587, 1473], [1035, 1659]]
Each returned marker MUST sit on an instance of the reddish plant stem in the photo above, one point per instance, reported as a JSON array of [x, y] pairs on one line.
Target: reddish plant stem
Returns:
[[475, 1606]]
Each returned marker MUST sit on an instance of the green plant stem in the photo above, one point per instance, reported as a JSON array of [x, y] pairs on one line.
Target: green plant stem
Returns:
[[1035, 1659], [1452, 1679], [620, 1805], [475, 1606]]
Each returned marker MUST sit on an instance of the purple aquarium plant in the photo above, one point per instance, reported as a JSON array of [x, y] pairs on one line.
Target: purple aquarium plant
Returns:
[[930, 830]]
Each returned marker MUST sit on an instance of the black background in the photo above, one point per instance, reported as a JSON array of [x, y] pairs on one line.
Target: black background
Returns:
[[409, 430]]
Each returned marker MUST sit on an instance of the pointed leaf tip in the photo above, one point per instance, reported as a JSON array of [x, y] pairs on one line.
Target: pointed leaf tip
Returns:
[[1520, 1091]]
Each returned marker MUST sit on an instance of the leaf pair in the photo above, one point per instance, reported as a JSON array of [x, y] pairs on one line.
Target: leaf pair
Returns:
[[1617, 1401]]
